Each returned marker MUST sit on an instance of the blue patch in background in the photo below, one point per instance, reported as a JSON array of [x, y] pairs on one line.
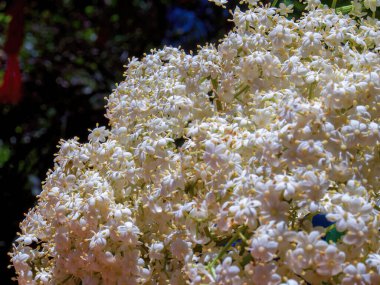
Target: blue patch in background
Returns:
[[320, 220]]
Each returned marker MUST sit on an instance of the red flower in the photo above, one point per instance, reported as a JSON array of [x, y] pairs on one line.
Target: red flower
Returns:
[[11, 89]]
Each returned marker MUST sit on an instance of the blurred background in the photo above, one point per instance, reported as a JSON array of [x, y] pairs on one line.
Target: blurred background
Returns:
[[58, 61]]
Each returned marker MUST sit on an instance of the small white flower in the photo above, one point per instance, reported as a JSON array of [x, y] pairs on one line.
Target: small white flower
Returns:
[[287, 184], [128, 233], [251, 2], [263, 249], [371, 4], [357, 9], [99, 239], [373, 261], [273, 208], [356, 275], [354, 131], [270, 64], [99, 134], [155, 251], [27, 239], [179, 248], [310, 148], [281, 36], [226, 273], [263, 274], [311, 40], [312, 4], [43, 277], [329, 262], [285, 10], [356, 233], [307, 247], [244, 211], [20, 260], [342, 218], [219, 2], [215, 155]]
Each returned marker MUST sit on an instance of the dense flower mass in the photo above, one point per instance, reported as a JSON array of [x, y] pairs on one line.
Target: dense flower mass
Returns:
[[256, 161]]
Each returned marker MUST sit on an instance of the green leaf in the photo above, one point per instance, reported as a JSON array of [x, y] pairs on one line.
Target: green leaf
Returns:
[[89, 10], [333, 235], [288, 2], [4, 18], [298, 5], [344, 10], [214, 82], [246, 259], [5, 153]]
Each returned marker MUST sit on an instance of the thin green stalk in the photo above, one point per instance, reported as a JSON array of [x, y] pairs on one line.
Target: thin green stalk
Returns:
[[274, 3], [241, 91], [333, 5], [219, 106], [243, 238], [211, 265]]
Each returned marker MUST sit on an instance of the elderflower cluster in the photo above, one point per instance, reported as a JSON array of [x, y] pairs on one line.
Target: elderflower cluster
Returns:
[[216, 166]]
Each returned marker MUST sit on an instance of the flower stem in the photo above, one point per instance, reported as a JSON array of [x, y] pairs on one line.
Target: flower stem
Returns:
[[243, 238], [210, 266], [333, 5], [274, 3], [242, 90]]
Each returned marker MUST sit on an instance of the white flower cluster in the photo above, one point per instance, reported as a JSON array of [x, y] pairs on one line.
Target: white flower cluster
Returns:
[[216, 165]]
